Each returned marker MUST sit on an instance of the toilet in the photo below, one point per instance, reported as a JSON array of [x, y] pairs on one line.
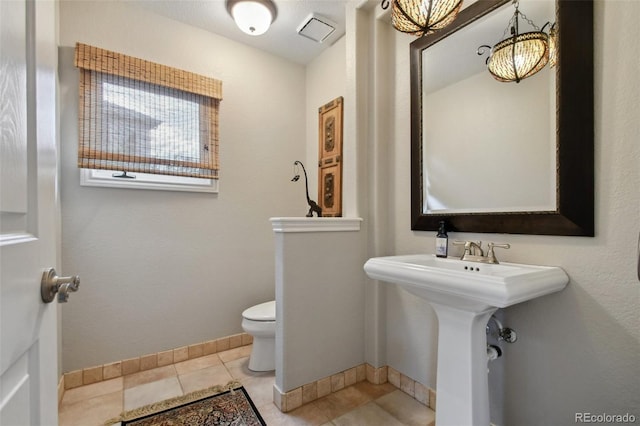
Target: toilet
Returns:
[[259, 321]]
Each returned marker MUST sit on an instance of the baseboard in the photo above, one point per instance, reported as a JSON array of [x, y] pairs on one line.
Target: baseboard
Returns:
[[295, 398], [87, 376], [61, 389], [285, 401]]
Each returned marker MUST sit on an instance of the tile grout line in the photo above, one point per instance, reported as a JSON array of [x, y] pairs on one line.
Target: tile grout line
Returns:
[[182, 391], [289, 401], [123, 368], [378, 376]]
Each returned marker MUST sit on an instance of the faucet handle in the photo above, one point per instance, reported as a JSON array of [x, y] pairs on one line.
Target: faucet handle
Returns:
[[470, 247], [491, 254]]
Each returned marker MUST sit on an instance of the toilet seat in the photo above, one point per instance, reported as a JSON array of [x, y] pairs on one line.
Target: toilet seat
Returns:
[[262, 312]]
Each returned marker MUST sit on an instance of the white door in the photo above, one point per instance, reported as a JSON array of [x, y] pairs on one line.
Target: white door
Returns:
[[28, 212]]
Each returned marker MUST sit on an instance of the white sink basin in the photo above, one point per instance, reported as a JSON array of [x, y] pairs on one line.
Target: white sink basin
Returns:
[[467, 285], [464, 295]]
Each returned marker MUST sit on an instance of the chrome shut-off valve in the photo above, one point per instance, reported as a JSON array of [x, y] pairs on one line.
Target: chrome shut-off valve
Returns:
[[505, 334], [508, 335], [52, 284]]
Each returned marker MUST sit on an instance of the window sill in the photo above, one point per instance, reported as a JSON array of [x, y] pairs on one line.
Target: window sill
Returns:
[[105, 179]]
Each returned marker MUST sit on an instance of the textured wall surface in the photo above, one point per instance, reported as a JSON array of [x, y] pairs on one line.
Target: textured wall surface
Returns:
[[165, 269]]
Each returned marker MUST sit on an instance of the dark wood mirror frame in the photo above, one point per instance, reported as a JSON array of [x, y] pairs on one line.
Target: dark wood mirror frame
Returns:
[[574, 214]]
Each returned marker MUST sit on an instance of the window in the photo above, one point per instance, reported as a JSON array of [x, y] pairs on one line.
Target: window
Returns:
[[150, 124]]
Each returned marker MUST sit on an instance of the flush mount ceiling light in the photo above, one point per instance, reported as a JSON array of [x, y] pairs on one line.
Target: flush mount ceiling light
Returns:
[[252, 16], [520, 55], [422, 17]]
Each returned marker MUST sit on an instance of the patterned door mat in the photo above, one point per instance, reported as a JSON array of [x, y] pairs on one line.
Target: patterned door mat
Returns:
[[204, 408]]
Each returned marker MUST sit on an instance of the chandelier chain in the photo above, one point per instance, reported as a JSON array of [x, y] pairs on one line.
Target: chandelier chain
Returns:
[[513, 21], [529, 21]]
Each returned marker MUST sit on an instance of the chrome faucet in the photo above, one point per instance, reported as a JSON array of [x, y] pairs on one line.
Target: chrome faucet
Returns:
[[473, 251]]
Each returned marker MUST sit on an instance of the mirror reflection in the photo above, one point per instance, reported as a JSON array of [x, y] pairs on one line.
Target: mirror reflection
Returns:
[[488, 146], [539, 178]]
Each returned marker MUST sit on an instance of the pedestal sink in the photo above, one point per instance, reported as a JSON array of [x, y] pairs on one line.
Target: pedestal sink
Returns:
[[464, 295]]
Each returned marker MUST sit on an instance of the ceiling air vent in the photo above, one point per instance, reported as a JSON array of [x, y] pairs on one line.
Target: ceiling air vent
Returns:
[[316, 28]]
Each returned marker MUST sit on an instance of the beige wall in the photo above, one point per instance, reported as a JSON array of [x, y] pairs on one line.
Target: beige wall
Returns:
[[521, 149], [165, 269], [319, 296], [325, 81]]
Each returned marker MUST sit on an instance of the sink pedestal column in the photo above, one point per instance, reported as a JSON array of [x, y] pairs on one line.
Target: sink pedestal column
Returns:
[[462, 380]]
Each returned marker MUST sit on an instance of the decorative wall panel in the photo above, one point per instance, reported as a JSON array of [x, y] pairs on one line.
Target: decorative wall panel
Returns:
[[330, 158]]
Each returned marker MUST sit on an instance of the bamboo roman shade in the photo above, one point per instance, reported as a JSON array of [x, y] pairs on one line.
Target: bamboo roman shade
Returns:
[[139, 116]]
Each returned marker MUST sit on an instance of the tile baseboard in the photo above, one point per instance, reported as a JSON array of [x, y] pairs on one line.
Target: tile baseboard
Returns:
[[90, 375], [413, 388], [60, 389], [289, 401], [285, 401]]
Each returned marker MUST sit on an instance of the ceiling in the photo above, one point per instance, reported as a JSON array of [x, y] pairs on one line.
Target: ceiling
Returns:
[[456, 57], [281, 39]]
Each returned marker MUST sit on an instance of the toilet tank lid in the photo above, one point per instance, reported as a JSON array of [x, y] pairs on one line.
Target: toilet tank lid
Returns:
[[262, 312]]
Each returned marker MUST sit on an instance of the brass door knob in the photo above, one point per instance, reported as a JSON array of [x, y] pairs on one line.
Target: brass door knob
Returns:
[[52, 284]]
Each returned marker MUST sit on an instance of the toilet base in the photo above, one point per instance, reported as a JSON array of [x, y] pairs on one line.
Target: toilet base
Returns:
[[263, 354]]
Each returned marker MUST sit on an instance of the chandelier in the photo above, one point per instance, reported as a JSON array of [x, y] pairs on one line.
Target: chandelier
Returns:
[[520, 55], [422, 17]]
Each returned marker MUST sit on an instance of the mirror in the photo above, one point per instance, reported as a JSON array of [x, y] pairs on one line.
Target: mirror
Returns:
[[509, 129], [523, 165]]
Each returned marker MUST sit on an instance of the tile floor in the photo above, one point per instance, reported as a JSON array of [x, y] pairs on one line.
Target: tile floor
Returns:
[[363, 404]]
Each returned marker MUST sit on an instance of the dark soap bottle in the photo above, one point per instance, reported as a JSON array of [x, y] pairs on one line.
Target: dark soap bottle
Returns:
[[442, 241]]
